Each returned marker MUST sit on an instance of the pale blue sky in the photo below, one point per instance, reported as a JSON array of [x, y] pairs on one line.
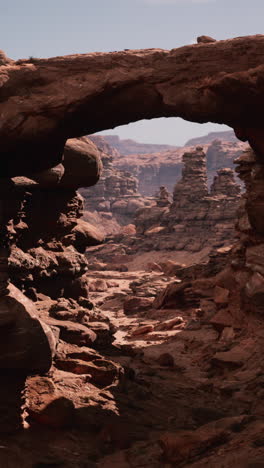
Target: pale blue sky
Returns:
[[59, 27]]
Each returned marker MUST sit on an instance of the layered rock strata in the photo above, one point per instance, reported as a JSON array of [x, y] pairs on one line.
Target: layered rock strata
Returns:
[[164, 168], [44, 114], [231, 300], [243, 276], [248, 253], [41, 257], [196, 219], [115, 197]]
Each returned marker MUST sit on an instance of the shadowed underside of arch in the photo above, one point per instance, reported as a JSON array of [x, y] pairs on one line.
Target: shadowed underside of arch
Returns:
[[43, 102]]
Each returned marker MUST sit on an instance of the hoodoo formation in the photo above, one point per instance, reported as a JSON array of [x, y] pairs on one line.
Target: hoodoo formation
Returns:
[[145, 351]]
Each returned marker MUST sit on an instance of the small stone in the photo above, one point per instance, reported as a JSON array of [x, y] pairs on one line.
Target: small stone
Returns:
[[221, 295], [228, 334], [166, 360], [142, 330], [222, 319], [136, 304], [58, 414], [98, 285], [205, 39], [170, 324]]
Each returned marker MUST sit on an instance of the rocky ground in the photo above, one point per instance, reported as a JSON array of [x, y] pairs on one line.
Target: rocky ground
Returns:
[[128, 353], [159, 386]]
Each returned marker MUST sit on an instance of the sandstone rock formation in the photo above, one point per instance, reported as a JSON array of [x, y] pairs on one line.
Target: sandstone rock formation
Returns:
[[210, 137], [209, 352], [196, 219], [33, 137], [42, 255], [115, 198], [221, 154], [164, 168], [248, 251], [125, 147], [224, 183]]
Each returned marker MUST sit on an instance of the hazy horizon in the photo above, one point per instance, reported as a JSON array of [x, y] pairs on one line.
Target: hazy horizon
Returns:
[[113, 133], [45, 29], [160, 131]]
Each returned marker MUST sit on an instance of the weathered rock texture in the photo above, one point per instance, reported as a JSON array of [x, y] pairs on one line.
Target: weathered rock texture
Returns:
[[43, 102], [44, 239], [248, 253], [115, 197], [196, 219], [153, 170], [224, 183], [46, 101], [47, 254], [164, 168], [239, 287]]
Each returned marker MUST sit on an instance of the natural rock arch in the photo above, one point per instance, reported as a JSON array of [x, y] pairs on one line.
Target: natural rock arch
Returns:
[[43, 102]]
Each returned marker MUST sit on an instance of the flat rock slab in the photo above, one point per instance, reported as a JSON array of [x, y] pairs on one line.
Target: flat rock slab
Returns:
[[74, 333]]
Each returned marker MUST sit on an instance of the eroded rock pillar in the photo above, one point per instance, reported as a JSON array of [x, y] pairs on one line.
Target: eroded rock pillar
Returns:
[[249, 260]]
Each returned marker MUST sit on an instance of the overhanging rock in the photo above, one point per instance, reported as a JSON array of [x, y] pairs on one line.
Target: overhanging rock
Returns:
[[43, 102]]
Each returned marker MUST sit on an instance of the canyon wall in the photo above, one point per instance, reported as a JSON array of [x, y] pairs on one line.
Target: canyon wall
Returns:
[[125, 147], [164, 168], [196, 218], [42, 261], [115, 199], [227, 135]]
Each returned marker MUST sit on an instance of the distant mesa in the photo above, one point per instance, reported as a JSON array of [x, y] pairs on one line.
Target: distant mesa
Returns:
[[210, 137], [128, 146]]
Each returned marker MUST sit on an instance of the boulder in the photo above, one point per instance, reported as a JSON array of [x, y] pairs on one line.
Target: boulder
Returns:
[[143, 330], [27, 343], [133, 305], [221, 296], [183, 446], [58, 414], [255, 290], [49, 178], [74, 333], [223, 318], [101, 372], [85, 235], [82, 163]]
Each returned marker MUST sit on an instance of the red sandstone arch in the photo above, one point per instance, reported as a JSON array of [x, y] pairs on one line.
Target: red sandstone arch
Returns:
[[45, 101]]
